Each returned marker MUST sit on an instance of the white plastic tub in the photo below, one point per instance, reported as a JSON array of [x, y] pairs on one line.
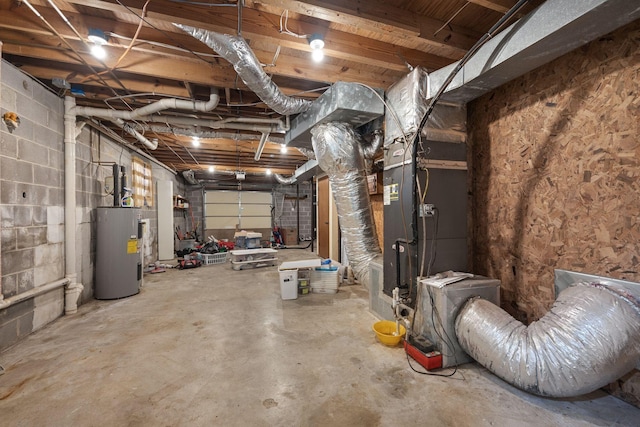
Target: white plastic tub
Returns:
[[288, 284]]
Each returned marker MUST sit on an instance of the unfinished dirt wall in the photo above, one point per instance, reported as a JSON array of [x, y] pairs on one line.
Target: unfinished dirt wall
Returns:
[[555, 173]]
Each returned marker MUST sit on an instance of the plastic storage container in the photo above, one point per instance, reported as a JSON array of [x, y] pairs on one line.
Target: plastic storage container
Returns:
[[211, 259], [324, 280]]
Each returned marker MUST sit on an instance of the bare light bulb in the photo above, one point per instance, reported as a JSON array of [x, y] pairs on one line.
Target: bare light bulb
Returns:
[[268, 172], [211, 169], [283, 149], [98, 51], [196, 141], [317, 55]]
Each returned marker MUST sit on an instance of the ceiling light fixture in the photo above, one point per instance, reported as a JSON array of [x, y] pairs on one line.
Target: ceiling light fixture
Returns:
[[195, 141], [283, 149], [317, 43], [99, 39], [268, 172], [211, 169]]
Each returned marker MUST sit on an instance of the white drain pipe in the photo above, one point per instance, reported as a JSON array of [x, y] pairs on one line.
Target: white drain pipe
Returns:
[[118, 116], [147, 110], [73, 288], [32, 293]]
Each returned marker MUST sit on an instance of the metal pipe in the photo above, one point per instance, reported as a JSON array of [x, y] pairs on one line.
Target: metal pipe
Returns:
[[215, 124], [313, 213], [32, 293], [298, 211], [589, 338], [116, 184], [263, 141], [240, 6], [73, 289]]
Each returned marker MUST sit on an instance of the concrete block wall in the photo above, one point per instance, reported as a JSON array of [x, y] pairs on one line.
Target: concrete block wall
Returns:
[[31, 203], [286, 210], [95, 155], [195, 194]]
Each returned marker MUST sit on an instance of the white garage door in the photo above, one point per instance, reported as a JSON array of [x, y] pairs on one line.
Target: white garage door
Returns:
[[247, 209]]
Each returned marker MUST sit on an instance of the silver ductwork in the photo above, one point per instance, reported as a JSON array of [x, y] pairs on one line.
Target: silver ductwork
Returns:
[[190, 177], [339, 151], [303, 173], [589, 338], [285, 180], [236, 50]]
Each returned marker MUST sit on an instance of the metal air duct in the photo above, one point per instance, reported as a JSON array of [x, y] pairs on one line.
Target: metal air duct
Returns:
[[236, 50], [589, 338], [339, 151]]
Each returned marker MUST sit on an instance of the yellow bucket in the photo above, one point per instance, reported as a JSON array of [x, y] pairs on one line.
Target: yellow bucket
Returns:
[[385, 331]]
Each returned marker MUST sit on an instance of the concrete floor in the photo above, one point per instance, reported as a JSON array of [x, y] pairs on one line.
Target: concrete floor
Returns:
[[212, 346]]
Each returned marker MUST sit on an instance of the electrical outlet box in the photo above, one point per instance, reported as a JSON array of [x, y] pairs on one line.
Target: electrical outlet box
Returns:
[[426, 210]]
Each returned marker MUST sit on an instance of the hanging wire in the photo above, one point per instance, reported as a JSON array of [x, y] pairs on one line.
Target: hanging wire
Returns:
[[284, 19]]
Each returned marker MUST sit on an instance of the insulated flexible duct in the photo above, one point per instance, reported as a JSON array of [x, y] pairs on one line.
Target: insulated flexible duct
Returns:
[[589, 338], [290, 180], [236, 50], [338, 150]]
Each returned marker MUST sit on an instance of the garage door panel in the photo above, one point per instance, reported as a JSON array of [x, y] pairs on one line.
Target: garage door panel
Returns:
[[256, 210], [226, 208], [252, 223], [222, 210], [221, 197], [222, 222]]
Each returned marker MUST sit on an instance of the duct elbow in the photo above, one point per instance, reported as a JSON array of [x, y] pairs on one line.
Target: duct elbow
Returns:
[[285, 180], [589, 338]]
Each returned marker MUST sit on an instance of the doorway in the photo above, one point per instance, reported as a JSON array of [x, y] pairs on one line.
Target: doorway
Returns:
[[323, 217]]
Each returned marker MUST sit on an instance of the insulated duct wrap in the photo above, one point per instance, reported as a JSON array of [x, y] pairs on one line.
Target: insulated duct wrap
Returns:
[[338, 150], [236, 50], [589, 338]]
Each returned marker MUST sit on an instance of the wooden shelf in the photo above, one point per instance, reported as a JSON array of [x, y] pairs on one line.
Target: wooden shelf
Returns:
[[180, 202]]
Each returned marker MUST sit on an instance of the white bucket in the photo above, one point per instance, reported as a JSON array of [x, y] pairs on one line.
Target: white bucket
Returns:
[[288, 284]]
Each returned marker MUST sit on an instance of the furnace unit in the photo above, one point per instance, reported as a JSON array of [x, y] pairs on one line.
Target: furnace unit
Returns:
[[433, 228], [118, 248]]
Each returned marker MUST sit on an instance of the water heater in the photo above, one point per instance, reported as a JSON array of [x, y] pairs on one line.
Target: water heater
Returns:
[[118, 249]]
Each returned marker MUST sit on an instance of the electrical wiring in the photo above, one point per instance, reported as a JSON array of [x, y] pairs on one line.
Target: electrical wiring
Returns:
[[417, 141], [165, 33], [451, 19], [284, 19], [163, 45]]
